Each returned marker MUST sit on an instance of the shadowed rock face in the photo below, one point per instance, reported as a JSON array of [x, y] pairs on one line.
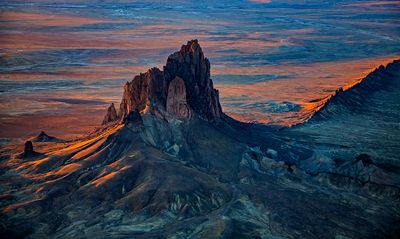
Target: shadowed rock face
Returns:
[[191, 65], [29, 152], [28, 149], [192, 89], [111, 115]]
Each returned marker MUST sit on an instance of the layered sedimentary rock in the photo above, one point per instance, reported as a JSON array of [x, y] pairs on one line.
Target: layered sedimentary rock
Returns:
[[111, 115], [183, 89]]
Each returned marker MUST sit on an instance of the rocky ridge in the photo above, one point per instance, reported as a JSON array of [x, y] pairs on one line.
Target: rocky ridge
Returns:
[[354, 97]]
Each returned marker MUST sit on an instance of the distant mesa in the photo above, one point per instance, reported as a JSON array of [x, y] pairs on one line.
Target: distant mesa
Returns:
[[182, 90], [43, 137]]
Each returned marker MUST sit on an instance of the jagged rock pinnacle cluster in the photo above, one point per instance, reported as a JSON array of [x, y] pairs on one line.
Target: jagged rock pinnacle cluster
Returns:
[[183, 89], [111, 115]]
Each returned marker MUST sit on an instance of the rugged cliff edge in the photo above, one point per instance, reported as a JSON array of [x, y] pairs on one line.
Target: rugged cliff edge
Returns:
[[353, 98], [183, 89]]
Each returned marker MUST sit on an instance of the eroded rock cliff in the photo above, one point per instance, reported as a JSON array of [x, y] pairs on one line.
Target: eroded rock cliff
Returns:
[[193, 67], [176, 101], [183, 89]]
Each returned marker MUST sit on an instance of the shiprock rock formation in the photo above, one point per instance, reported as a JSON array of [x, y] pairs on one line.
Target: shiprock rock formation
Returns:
[[183, 89], [171, 164]]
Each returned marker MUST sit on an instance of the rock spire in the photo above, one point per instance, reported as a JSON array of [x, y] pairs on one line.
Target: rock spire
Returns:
[[183, 89]]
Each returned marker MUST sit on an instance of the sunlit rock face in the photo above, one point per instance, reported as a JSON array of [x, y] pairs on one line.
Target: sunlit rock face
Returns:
[[176, 101], [144, 91], [182, 89]]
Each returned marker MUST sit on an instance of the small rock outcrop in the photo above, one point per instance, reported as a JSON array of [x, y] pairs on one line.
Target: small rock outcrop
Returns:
[[111, 115], [183, 89], [28, 149], [43, 137], [176, 101], [354, 97]]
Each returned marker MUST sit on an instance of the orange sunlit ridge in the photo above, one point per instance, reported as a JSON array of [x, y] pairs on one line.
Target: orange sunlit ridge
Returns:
[[311, 86]]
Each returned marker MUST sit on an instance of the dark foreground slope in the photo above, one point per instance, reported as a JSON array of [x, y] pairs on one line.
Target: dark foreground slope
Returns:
[[170, 164]]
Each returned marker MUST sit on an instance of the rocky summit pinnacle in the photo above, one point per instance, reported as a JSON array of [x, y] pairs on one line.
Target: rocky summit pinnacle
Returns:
[[193, 67], [183, 89], [111, 115]]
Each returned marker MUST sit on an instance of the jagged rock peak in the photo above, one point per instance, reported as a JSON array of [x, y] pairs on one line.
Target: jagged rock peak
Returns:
[[183, 89], [192, 47], [111, 115], [193, 67]]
